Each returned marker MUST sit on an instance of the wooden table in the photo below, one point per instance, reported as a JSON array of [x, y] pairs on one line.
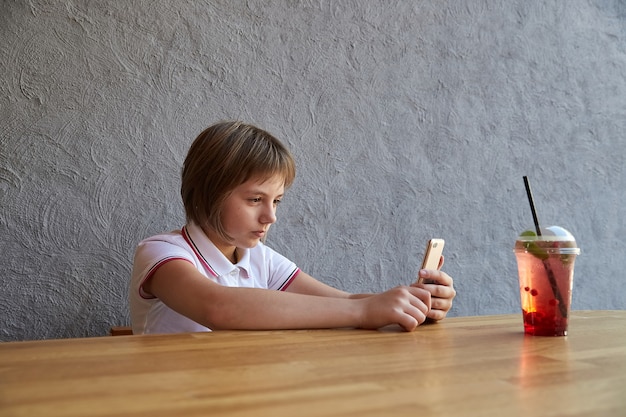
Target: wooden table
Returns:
[[469, 366]]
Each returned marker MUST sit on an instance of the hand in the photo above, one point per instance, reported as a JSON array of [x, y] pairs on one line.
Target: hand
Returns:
[[405, 306], [441, 288]]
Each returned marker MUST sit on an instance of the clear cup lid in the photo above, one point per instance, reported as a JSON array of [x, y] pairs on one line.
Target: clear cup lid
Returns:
[[551, 233], [548, 234]]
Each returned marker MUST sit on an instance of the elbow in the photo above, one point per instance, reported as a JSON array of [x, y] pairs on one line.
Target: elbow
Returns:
[[218, 317]]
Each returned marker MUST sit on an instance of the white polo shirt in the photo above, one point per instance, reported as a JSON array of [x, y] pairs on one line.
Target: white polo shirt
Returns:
[[259, 267]]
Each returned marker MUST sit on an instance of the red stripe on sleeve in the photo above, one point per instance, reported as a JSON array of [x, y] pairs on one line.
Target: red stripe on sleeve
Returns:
[[289, 280]]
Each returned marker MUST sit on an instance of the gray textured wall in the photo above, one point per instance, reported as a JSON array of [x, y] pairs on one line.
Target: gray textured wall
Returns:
[[408, 119]]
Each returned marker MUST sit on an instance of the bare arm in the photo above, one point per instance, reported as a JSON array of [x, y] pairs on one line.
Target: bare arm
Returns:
[[181, 287], [440, 287], [306, 284]]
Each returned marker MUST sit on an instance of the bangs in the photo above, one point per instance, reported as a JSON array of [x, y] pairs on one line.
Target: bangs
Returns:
[[270, 159]]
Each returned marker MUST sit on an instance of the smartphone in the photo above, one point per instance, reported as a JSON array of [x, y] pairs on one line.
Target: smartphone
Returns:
[[434, 250]]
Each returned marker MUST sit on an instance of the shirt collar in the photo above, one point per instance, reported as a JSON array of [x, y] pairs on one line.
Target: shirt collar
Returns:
[[210, 255]]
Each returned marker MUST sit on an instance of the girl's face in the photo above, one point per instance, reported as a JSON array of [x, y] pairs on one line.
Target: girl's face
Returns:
[[248, 213]]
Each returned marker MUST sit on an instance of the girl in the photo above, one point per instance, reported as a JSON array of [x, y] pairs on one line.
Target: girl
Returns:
[[216, 273]]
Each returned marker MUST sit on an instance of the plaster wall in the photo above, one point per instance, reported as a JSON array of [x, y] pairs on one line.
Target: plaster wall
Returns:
[[408, 120]]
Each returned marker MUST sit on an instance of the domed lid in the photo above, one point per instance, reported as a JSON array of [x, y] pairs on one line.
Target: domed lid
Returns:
[[553, 240], [551, 233]]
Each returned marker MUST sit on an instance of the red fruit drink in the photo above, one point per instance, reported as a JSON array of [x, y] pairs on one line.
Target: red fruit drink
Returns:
[[546, 274]]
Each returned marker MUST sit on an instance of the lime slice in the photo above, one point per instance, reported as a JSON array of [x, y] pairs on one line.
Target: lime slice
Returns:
[[532, 247]]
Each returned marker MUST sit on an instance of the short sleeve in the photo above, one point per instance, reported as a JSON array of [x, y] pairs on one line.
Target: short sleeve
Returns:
[[281, 272]]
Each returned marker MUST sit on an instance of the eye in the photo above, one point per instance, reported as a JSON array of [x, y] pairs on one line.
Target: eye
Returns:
[[255, 200]]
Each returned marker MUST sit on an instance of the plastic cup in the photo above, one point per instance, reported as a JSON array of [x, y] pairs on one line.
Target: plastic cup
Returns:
[[546, 275]]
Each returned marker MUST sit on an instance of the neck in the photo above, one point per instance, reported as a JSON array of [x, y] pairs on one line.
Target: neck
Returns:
[[234, 258]]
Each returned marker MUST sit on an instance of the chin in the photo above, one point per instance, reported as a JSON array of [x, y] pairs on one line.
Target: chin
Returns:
[[249, 244]]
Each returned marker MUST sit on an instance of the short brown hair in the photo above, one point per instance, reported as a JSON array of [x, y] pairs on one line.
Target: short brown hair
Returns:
[[222, 157]]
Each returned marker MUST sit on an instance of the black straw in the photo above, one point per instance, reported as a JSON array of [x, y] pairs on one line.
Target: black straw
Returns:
[[532, 205]]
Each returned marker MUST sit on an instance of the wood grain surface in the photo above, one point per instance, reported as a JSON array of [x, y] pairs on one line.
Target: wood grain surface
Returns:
[[468, 366]]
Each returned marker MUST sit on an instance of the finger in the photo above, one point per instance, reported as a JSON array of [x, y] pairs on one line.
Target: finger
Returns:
[[409, 323], [442, 304], [416, 307], [417, 313], [421, 298], [422, 304], [437, 277], [441, 261], [440, 291], [436, 315]]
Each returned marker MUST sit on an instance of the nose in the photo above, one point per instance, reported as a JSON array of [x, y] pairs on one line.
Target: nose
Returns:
[[268, 216]]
